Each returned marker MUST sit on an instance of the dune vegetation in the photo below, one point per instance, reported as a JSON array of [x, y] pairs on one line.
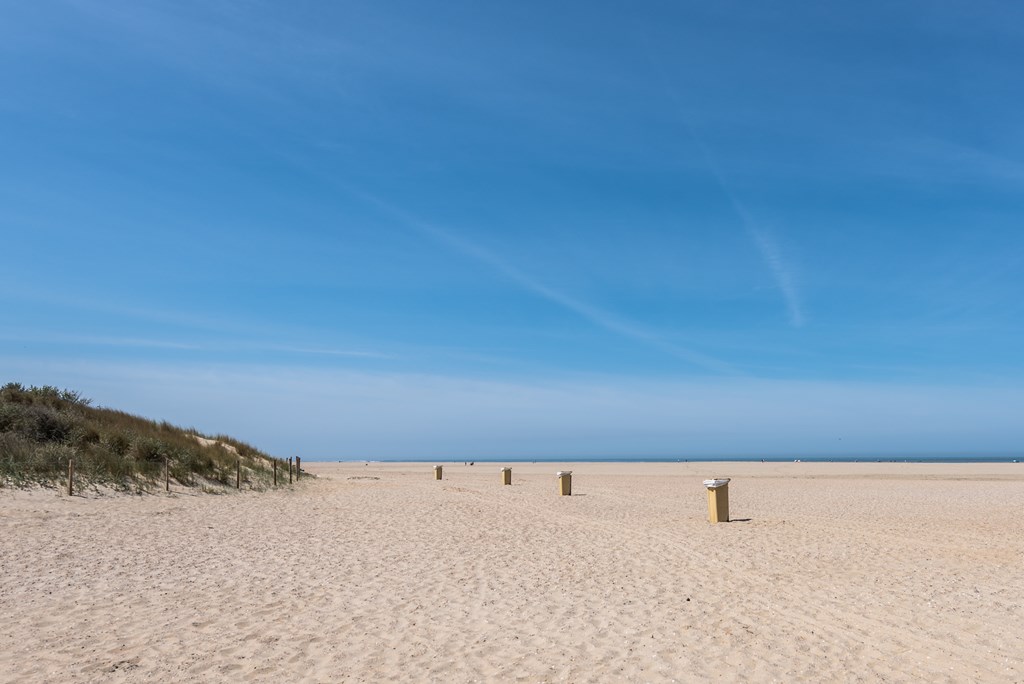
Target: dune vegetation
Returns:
[[43, 428]]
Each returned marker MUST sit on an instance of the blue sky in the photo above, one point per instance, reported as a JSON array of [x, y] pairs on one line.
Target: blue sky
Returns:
[[419, 230]]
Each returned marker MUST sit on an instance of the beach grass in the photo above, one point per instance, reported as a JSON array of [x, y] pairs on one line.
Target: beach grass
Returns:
[[43, 428]]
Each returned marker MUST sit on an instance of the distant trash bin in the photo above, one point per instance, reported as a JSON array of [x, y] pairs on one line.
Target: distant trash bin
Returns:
[[506, 476], [564, 482], [718, 499], [437, 472]]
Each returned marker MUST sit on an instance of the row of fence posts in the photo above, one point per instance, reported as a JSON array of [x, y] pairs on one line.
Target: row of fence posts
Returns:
[[167, 473], [718, 491]]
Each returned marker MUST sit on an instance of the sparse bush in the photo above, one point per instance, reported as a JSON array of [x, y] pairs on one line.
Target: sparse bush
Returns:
[[104, 465], [73, 397], [52, 457], [16, 453]]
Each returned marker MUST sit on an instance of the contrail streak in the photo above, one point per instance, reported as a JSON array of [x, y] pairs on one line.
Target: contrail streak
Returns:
[[765, 244], [454, 242], [587, 311]]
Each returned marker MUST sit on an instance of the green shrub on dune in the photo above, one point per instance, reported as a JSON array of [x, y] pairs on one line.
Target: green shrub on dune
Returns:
[[43, 428]]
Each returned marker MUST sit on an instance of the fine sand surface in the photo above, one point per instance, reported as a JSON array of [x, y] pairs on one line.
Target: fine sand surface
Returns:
[[829, 572]]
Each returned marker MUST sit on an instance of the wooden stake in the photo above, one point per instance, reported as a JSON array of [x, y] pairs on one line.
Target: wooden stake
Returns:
[[275, 472], [289, 470], [71, 477], [298, 467], [167, 475], [238, 474]]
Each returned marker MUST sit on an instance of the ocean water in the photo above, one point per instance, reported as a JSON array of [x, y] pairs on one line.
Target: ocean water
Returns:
[[917, 458]]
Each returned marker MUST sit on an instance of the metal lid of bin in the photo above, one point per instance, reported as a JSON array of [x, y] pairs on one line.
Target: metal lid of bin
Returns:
[[716, 483], [504, 469], [560, 473]]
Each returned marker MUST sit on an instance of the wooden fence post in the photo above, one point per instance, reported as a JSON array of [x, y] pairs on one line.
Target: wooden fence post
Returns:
[[167, 475], [71, 476], [275, 472], [298, 467], [238, 474]]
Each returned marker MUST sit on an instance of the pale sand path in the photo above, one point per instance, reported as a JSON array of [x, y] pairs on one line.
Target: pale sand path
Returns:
[[843, 572]]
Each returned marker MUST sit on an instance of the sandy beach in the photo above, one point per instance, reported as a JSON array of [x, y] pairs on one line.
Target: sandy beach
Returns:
[[829, 572]]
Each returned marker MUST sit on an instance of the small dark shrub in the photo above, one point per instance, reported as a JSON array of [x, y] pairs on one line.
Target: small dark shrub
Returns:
[[83, 436], [44, 424], [14, 393], [10, 416], [118, 443], [148, 449]]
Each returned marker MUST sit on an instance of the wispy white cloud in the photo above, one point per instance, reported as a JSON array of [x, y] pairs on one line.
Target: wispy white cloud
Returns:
[[321, 351], [217, 345], [154, 313], [932, 160], [89, 340]]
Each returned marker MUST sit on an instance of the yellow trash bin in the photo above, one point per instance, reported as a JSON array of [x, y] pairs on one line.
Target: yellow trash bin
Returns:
[[564, 482], [718, 499], [437, 472], [506, 476]]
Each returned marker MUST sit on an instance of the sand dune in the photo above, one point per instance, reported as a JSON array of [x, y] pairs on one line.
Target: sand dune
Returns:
[[846, 572]]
